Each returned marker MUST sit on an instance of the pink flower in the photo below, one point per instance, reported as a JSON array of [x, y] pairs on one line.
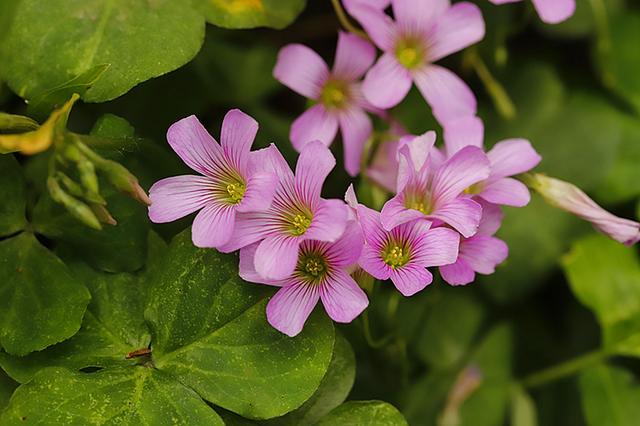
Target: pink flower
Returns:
[[232, 179], [404, 253], [572, 199], [433, 189], [424, 31], [337, 92], [509, 157], [296, 214], [480, 253], [320, 274], [378, 4], [550, 11]]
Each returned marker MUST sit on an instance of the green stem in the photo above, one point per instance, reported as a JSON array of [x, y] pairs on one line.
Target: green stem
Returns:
[[374, 343], [603, 42], [344, 21], [564, 369], [498, 94]]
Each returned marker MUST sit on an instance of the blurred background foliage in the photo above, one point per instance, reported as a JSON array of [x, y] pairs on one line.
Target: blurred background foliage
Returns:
[[574, 90]]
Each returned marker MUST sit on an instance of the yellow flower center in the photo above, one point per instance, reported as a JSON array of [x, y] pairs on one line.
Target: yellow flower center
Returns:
[[396, 255], [312, 267], [410, 53], [418, 201], [474, 189], [300, 223], [334, 94], [235, 192]]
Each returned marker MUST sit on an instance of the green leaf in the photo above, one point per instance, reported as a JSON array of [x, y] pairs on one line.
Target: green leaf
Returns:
[[7, 386], [354, 413], [605, 276], [251, 13], [423, 401], [610, 396], [619, 62], [523, 409], [41, 105], [126, 395], [12, 194], [450, 328], [488, 404], [139, 39], [333, 390], [210, 332], [113, 326], [41, 303], [114, 248]]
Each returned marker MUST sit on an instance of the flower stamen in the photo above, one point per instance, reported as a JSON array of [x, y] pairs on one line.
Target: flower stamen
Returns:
[[396, 255]]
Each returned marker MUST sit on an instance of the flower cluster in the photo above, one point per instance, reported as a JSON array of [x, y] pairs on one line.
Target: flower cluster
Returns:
[[445, 204]]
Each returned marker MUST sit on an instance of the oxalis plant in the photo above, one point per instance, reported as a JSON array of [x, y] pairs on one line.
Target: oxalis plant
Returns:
[[218, 225]]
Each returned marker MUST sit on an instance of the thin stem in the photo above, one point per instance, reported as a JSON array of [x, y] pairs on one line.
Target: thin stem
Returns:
[[344, 21], [603, 42], [498, 94], [374, 343], [564, 369]]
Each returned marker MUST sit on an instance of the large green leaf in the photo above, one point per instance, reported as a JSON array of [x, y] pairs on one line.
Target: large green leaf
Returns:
[[139, 39], [333, 390], [355, 413], [41, 302], [523, 409], [620, 62], [125, 395], [113, 326], [251, 13], [210, 332], [610, 396], [605, 276], [12, 194], [7, 386]]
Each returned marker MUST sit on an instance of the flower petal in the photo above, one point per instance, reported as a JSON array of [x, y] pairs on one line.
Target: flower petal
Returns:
[[249, 228], [371, 261], [436, 247], [506, 191], [289, 308], [356, 128], [491, 217], [270, 160], [463, 214], [314, 164], [467, 167], [459, 273], [378, 25], [342, 298], [316, 123], [195, 146], [374, 233], [213, 226], [247, 268], [459, 27], [301, 70], [276, 257], [386, 83], [411, 278], [446, 93], [329, 221], [461, 132], [394, 213], [238, 133], [417, 149], [346, 250], [511, 157], [418, 17], [354, 56], [178, 196], [554, 11], [259, 192], [384, 166], [483, 253]]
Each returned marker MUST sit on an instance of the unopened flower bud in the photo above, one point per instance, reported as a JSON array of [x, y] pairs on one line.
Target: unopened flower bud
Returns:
[[75, 207], [572, 199], [103, 214]]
